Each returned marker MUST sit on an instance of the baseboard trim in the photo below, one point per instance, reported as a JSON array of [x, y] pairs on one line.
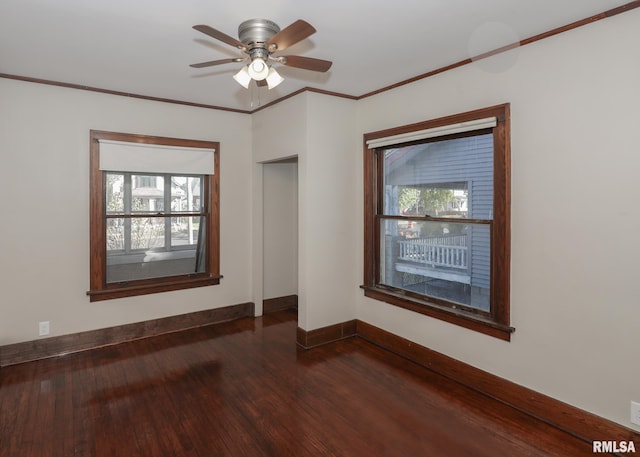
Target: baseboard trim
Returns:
[[324, 335], [271, 305], [28, 351], [577, 422]]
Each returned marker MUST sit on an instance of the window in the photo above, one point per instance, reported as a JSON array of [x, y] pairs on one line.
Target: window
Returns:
[[154, 214], [437, 219]]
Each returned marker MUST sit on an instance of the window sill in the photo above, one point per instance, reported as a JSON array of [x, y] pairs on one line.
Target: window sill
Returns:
[[122, 290], [459, 317]]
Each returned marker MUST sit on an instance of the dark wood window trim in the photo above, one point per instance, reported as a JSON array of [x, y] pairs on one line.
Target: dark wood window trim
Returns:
[[99, 289], [496, 322]]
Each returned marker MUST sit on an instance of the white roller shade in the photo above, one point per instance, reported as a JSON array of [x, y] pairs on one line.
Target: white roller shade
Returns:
[[154, 158], [461, 127]]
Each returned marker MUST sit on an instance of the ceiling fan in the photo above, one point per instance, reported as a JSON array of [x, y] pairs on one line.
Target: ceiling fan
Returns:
[[260, 39]]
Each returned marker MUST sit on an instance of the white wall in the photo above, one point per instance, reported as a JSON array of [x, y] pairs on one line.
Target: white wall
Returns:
[[575, 142], [278, 132], [329, 198], [44, 183], [319, 130], [280, 233]]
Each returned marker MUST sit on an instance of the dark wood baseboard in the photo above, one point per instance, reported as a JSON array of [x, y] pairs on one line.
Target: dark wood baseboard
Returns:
[[271, 305], [28, 351], [324, 335], [577, 422]]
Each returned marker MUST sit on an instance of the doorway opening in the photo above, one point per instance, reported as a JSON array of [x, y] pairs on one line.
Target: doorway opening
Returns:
[[280, 235]]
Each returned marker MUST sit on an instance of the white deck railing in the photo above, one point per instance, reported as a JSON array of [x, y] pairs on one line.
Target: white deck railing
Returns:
[[437, 251]]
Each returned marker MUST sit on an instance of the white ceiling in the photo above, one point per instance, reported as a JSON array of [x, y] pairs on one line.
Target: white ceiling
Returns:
[[144, 47]]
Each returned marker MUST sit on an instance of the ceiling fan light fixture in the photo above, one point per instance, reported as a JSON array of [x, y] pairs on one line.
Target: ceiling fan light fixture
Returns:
[[242, 77], [258, 69], [259, 39], [273, 78]]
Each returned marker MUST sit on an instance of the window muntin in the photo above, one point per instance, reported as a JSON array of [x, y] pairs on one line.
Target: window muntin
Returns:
[[437, 222], [152, 232]]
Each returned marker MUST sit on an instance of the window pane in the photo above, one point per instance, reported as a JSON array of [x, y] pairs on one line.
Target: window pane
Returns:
[[184, 231], [115, 192], [149, 264], [147, 193], [146, 257], [115, 234], [450, 261], [451, 178], [185, 193], [147, 232]]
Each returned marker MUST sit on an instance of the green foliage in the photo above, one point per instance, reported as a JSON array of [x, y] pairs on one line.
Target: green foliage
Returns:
[[416, 201]]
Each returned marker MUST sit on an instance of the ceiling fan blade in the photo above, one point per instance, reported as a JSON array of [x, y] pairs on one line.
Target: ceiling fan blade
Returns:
[[261, 83], [214, 62], [290, 35], [218, 35], [307, 63]]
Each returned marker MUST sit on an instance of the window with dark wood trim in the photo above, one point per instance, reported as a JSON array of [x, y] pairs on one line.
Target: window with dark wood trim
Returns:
[[153, 230], [437, 219]]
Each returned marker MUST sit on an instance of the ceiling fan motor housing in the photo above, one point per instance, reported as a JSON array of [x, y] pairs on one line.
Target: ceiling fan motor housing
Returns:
[[254, 31]]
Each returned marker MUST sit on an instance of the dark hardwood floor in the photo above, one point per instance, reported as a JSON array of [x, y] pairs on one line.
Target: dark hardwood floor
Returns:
[[243, 388]]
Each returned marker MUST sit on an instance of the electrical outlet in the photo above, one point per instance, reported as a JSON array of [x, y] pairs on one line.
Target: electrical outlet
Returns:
[[43, 328], [635, 412]]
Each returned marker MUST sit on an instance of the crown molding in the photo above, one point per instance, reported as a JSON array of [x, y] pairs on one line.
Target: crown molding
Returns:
[[574, 25]]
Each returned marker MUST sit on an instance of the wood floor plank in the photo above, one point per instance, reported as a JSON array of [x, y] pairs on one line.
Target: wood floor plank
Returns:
[[244, 388], [15, 407]]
